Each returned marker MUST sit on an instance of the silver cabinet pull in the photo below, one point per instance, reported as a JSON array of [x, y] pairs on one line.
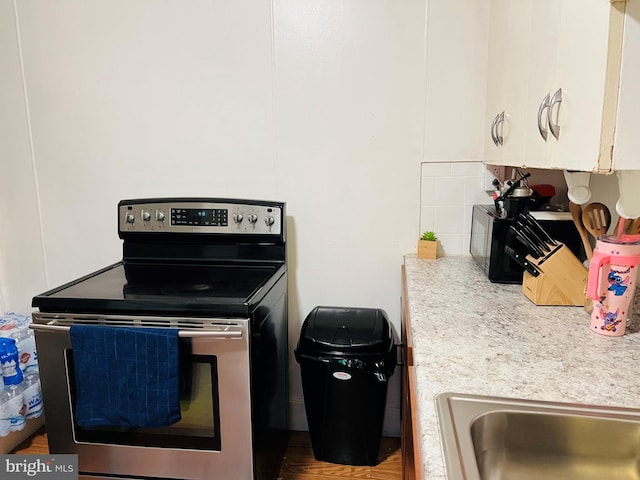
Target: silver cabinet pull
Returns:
[[544, 132], [493, 131], [555, 99], [499, 123]]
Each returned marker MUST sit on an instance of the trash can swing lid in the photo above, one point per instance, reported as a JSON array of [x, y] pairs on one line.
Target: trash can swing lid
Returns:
[[347, 331]]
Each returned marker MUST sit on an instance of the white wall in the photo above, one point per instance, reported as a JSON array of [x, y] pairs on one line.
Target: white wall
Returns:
[[21, 257], [452, 172], [457, 52], [447, 195], [323, 104]]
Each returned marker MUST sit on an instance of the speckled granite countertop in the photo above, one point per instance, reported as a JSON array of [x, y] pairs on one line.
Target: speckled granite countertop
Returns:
[[473, 336]]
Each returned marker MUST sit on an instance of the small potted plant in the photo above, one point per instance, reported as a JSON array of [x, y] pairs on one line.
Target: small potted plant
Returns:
[[428, 245]]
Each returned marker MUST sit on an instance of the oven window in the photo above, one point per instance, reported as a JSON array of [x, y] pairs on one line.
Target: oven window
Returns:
[[199, 427]]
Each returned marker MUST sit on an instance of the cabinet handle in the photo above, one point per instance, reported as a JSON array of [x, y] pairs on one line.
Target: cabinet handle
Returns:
[[554, 127], [544, 132], [499, 122], [493, 131]]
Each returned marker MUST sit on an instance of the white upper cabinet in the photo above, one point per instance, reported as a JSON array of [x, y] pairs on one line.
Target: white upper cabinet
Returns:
[[560, 84], [541, 81], [627, 148], [506, 92], [495, 104]]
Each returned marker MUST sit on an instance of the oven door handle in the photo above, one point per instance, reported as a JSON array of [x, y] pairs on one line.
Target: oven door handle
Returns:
[[227, 332]]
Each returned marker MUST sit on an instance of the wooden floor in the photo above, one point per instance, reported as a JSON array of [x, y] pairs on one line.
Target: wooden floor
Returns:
[[298, 464], [36, 444]]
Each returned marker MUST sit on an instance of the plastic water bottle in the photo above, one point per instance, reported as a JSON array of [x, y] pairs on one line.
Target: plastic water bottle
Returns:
[[32, 394], [9, 362], [12, 407], [5, 421], [27, 354]]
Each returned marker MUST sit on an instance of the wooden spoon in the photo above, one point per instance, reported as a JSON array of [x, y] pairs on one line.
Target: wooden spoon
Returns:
[[634, 227], [596, 218], [576, 215]]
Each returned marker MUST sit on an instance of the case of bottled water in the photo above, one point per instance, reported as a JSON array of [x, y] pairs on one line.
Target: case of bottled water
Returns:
[[20, 392]]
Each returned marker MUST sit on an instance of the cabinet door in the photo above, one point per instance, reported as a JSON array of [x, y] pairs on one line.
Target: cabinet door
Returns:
[[495, 74], [589, 50], [411, 459], [545, 21], [627, 141], [509, 44], [515, 81], [570, 45]]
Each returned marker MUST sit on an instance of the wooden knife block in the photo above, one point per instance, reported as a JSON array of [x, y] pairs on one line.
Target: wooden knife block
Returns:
[[562, 279]]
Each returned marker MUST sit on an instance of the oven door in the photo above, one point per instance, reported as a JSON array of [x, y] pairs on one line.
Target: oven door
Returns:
[[213, 439]]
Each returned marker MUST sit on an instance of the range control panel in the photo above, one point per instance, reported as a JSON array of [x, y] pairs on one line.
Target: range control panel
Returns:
[[201, 216]]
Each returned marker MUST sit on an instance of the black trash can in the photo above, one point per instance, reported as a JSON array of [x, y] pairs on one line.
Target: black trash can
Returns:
[[346, 356]]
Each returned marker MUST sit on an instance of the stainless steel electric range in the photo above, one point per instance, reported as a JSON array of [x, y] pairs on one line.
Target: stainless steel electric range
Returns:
[[215, 270]]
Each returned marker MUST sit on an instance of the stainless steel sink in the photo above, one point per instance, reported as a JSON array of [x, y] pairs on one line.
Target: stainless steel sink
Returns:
[[492, 438]]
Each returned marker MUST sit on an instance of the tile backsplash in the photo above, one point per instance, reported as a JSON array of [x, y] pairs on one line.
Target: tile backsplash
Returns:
[[450, 189], [447, 193]]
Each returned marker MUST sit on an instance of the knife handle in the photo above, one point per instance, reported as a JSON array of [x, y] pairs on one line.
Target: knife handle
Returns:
[[536, 225], [535, 251], [538, 242], [522, 261]]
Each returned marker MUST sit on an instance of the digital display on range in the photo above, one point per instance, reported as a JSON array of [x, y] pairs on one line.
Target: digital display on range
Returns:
[[204, 217]]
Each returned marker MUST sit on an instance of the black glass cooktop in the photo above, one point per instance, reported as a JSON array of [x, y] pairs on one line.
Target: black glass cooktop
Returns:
[[155, 288]]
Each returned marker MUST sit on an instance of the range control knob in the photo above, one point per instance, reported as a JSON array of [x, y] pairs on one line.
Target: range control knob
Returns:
[[159, 216], [146, 216], [269, 221], [253, 218], [237, 218], [129, 218]]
